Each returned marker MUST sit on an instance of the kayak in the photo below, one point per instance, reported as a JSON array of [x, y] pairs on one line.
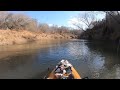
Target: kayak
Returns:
[[64, 70]]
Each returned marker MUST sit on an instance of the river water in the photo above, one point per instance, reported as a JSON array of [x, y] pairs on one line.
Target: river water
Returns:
[[95, 60]]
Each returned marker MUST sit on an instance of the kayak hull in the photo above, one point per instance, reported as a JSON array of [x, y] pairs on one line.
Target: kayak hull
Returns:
[[74, 73]]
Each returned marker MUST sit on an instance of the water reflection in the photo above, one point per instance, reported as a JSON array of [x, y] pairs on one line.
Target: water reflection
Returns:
[[108, 57], [91, 59]]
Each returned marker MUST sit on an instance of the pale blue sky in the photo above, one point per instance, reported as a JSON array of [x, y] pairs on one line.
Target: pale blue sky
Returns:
[[60, 18]]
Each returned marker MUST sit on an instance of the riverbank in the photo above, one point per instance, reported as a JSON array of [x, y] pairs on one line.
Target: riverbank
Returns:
[[12, 37], [101, 35]]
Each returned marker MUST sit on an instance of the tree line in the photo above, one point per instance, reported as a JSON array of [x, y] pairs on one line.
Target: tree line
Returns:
[[12, 21], [106, 29]]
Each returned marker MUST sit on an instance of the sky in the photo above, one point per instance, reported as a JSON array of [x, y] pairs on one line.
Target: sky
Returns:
[[60, 18]]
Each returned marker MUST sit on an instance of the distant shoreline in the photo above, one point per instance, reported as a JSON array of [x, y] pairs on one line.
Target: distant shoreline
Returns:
[[13, 37]]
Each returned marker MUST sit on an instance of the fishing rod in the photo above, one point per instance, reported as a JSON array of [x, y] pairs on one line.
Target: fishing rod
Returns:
[[118, 46], [46, 74], [85, 78]]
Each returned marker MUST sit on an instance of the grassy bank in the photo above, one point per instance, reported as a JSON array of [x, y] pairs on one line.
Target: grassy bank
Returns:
[[12, 37]]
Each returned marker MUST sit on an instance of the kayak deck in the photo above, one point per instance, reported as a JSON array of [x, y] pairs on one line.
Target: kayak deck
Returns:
[[73, 72]]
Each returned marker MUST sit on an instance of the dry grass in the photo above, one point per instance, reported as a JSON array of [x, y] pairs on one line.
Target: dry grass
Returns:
[[11, 37]]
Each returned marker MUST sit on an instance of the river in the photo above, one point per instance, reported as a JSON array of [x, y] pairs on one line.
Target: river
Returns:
[[95, 60]]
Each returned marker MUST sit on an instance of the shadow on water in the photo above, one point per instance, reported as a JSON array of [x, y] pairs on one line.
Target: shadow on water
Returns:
[[107, 50], [110, 58], [43, 75]]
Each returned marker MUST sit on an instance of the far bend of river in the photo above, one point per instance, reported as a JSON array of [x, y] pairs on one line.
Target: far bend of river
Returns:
[[96, 60]]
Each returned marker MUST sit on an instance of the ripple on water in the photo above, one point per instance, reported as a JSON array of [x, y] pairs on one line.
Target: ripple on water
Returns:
[[89, 59]]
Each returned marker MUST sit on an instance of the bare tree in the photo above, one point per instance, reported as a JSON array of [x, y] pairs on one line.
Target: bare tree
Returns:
[[53, 29], [62, 30], [113, 14], [85, 19], [16, 21], [43, 27], [3, 16]]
